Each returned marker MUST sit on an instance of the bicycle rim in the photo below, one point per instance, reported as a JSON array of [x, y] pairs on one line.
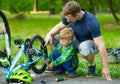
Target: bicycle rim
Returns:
[[5, 36], [38, 44]]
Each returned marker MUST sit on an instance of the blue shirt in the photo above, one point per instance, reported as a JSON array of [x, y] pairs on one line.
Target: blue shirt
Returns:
[[85, 29]]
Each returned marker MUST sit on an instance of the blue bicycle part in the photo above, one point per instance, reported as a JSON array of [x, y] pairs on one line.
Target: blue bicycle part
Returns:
[[40, 51]]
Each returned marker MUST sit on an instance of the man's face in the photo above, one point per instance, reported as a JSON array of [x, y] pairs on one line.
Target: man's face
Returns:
[[75, 18], [70, 18]]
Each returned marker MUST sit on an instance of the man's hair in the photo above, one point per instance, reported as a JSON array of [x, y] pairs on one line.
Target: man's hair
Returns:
[[72, 8], [67, 33]]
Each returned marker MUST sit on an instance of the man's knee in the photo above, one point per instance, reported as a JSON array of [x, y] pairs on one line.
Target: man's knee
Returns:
[[55, 39], [88, 48]]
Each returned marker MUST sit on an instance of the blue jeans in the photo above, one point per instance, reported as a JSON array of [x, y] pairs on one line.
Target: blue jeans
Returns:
[[65, 66]]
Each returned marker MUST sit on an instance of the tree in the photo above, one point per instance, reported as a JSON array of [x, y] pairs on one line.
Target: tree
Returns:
[[92, 6], [52, 7], [18, 6], [113, 11], [55, 6], [35, 6], [0, 3]]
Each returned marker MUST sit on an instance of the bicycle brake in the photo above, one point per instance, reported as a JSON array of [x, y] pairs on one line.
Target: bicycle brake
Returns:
[[30, 51], [18, 41]]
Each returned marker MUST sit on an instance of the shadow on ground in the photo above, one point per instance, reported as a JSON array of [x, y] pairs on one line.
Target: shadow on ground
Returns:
[[49, 79]]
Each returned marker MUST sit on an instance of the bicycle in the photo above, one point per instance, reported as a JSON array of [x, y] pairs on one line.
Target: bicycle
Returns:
[[115, 55], [33, 49], [5, 37]]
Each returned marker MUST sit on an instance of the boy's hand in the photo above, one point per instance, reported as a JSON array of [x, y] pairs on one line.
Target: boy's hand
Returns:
[[50, 65], [46, 62]]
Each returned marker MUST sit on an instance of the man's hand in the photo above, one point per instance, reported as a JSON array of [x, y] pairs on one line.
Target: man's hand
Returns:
[[106, 73], [48, 39]]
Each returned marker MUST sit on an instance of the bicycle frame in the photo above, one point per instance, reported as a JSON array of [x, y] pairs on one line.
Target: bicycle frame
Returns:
[[5, 54], [11, 69]]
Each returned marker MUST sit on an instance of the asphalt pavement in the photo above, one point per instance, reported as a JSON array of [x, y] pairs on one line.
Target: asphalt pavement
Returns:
[[46, 78]]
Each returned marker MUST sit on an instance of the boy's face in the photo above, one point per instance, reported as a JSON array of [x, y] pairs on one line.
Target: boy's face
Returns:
[[65, 41]]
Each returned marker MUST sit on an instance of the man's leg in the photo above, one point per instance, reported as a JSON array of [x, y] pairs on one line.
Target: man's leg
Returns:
[[55, 39], [88, 49]]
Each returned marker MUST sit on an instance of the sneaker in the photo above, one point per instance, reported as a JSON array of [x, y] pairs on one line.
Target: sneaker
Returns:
[[50, 70], [72, 74], [55, 72], [59, 72], [91, 72]]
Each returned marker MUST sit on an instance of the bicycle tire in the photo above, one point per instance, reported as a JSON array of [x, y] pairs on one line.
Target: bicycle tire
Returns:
[[38, 43], [7, 35], [7, 28]]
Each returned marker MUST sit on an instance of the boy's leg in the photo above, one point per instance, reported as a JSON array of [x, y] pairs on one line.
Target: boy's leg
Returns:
[[70, 69], [58, 69]]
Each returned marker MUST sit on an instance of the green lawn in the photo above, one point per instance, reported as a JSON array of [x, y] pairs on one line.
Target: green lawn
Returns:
[[41, 24]]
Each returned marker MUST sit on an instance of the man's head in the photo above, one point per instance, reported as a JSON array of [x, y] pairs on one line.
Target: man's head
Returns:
[[72, 11], [66, 36], [71, 8]]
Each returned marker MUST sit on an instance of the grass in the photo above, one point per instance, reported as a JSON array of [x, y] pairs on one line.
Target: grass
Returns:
[[41, 24]]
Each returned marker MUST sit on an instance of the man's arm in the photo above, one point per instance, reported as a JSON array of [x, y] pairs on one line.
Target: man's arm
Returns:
[[102, 50], [56, 29]]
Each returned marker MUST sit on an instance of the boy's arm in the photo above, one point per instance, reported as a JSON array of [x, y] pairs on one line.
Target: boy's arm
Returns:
[[66, 55], [50, 57]]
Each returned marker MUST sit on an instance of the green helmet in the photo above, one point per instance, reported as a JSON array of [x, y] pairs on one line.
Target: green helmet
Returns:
[[21, 75]]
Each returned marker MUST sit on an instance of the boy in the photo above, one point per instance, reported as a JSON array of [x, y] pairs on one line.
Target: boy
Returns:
[[64, 56]]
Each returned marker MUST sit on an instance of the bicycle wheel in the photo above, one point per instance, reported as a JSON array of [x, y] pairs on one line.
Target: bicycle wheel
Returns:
[[5, 37], [38, 45]]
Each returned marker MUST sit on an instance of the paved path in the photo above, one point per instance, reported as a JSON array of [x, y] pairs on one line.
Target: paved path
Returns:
[[49, 79]]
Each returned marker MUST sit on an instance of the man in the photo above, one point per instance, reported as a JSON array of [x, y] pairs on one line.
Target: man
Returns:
[[88, 37]]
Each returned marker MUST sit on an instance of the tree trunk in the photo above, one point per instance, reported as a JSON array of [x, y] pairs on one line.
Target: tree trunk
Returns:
[[35, 7], [52, 9], [113, 12], [92, 6]]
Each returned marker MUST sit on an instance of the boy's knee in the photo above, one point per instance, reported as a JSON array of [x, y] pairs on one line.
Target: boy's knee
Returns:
[[87, 48]]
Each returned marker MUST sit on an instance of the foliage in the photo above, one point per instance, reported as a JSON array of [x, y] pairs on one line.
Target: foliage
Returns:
[[55, 5], [43, 5], [20, 6], [17, 6]]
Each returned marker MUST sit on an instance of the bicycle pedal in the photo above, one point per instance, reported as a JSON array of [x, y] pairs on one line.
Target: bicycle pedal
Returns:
[[3, 54]]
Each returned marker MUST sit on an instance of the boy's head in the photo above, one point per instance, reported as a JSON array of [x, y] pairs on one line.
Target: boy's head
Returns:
[[66, 36]]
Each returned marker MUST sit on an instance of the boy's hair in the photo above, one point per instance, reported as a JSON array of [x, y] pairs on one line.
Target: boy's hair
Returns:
[[72, 8], [67, 33]]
